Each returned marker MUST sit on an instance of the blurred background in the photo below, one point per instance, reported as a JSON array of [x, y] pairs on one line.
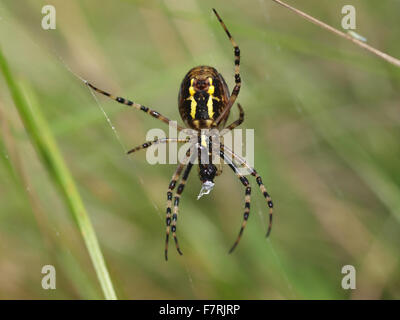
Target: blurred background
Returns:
[[327, 131]]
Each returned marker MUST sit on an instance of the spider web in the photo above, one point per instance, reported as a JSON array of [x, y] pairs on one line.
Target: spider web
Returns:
[[109, 122]]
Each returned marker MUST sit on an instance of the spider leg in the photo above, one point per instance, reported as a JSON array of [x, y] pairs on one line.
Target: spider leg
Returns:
[[171, 187], [238, 82], [259, 182], [137, 106], [157, 141], [176, 202], [245, 182]]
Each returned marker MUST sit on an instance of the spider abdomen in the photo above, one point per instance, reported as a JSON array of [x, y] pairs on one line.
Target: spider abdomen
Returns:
[[203, 95]]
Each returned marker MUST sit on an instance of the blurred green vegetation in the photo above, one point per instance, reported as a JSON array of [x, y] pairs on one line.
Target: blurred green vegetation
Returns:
[[327, 131], [38, 130]]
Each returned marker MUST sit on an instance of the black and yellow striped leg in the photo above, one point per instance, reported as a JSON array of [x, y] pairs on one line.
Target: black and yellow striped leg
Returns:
[[137, 106], [267, 197], [157, 141], [176, 203], [254, 173], [171, 187], [238, 82], [245, 182]]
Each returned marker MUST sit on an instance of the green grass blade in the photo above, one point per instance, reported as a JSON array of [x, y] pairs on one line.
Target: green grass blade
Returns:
[[46, 146]]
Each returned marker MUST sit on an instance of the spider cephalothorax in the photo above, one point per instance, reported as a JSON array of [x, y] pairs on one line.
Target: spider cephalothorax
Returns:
[[204, 103]]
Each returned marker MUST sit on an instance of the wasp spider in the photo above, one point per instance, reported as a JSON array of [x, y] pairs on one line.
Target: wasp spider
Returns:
[[204, 102]]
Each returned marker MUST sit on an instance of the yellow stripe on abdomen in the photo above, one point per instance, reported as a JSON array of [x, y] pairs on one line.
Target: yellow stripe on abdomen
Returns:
[[193, 107], [210, 106], [193, 103]]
